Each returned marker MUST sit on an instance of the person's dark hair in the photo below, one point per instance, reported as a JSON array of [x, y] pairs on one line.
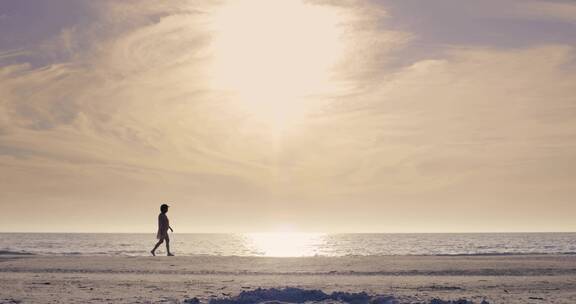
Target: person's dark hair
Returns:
[[164, 208]]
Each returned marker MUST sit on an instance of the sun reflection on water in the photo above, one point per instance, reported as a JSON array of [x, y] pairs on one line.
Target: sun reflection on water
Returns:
[[285, 244]]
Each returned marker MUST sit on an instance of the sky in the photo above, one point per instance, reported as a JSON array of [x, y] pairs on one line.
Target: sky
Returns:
[[311, 116]]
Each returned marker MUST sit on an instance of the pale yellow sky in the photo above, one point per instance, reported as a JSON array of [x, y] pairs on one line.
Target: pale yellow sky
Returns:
[[323, 116]]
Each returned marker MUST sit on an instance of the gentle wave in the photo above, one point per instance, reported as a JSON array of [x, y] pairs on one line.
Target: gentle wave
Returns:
[[8, 252]]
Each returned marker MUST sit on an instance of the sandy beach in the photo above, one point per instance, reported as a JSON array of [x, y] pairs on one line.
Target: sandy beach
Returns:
[[410, 279]]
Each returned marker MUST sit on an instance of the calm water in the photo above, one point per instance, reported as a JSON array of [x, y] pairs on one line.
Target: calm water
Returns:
[[281, 244]]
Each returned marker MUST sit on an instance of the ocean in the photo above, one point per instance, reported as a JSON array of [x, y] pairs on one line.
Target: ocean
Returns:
[[290, 244]]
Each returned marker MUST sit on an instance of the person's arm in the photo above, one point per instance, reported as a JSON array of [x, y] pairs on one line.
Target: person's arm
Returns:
[[168, 224]]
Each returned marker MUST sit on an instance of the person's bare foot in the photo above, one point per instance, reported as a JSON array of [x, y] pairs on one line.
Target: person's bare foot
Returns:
[[170, 254], [153, 253]]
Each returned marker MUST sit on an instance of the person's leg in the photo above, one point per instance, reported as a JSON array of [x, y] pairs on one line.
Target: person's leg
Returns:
[[168, 247], [160, 241]]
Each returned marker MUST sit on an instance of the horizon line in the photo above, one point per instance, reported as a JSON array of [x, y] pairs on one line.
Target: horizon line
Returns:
[[288, 232]]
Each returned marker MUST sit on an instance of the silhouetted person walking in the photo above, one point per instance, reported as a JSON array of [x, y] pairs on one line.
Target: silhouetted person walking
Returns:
[[163, 226]]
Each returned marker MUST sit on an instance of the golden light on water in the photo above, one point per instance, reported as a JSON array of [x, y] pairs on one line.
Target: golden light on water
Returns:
[[269, 56], [285, 244]]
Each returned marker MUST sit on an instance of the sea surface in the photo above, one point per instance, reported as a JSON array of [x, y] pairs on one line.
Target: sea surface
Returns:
[[290, 244]]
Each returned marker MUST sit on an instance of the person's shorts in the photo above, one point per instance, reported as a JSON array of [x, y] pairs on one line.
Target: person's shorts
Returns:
[[162, 235]]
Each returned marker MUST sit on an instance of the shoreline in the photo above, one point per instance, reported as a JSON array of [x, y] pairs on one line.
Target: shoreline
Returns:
[[12, 253]]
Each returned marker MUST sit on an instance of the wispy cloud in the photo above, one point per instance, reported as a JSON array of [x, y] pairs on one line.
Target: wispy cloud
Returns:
[[120, 107]]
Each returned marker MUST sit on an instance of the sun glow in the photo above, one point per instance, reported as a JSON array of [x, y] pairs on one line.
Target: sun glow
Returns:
[[285, 244], [272, 57]]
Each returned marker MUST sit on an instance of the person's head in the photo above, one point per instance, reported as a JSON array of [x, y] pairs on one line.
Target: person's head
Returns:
[[164, 208]]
